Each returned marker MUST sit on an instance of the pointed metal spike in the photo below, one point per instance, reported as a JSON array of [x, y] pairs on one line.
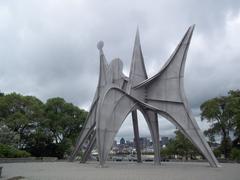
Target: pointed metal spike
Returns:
[[137, 38], [137, 71], [184, 45], [103, 65]]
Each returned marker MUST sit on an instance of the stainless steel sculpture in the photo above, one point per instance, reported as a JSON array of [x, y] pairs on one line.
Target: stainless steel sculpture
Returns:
[[117, 96]]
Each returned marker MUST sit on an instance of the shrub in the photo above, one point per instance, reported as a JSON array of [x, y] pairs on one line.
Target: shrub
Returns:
[[235, 154], [7, 151], [217, 152]]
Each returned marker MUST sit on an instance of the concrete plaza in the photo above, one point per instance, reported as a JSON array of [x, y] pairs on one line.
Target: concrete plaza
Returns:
[[119, 170]]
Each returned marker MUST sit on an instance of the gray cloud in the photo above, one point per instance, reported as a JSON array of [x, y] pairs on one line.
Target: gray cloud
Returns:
[[48, 48]]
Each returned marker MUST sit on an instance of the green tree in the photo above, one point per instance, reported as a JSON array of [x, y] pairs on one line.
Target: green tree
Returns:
[[234, 104], [40, 143], [170, 150], [220, 112], [184, 147], [49, 129], [7, 136], [180, 146], [21, 114], [64, 121]]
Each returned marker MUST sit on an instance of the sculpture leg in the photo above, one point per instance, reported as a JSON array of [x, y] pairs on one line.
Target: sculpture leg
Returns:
[[185, 121], [113, 110], [86, 132], [89, 149], [152, 121], [136, 135]]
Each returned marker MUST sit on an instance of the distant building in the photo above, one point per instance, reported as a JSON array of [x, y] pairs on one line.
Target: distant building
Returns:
[[114, 143], [129, 143], [122, 141], [144, 142], [165, 140]]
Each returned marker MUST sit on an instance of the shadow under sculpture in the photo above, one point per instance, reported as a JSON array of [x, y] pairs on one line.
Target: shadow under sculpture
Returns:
[[117, 96]]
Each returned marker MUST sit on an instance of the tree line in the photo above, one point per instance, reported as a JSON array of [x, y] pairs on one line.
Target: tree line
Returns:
[[40, 129]]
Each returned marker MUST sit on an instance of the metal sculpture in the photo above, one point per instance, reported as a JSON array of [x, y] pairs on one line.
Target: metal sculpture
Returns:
[[117, 96]]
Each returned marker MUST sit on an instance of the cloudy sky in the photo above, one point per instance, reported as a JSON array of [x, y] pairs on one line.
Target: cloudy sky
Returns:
[[48, 47]]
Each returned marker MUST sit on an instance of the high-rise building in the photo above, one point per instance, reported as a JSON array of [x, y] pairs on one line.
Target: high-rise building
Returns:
[[122, 141], [114, 143], [144, 142], [164, 140]]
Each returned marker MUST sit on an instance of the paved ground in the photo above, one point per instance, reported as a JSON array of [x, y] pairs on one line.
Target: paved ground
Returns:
[[120, 170]]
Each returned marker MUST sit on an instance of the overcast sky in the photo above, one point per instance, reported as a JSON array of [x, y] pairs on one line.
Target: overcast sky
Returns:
[[48, 47]]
